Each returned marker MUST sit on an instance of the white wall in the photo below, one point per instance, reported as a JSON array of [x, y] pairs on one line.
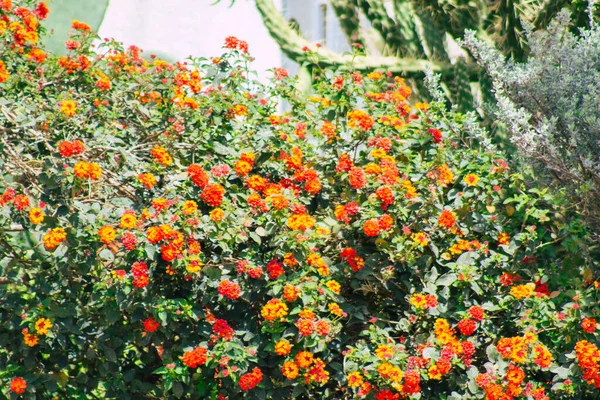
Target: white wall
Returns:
[[180, 28]]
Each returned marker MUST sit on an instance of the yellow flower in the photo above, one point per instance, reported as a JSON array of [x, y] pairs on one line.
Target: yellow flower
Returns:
[[521, 291], [334, 286], [128, 221], [355, 379], [195, 265], [68, 108], [217, 215], [471, 179], [189, 207], [42, 326], [384, 351], [36, 216], [107, 234], [420, 238], [283, 347], [335, 309]]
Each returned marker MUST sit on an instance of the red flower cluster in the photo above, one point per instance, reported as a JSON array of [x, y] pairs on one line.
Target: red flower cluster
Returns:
[[69, 149], [467, 326], [436, 134], [150, 325], [222, 329], [213, 195], [140, 274], [275, 269], [198, 176], [349, 255], [233, 43], [588, 325], [251, 379], [195, 358], [477, 313], [21, 202], [344, 163], [229, 289]]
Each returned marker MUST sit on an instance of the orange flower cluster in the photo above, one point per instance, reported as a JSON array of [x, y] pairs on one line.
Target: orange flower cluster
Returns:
[[29, 339], [244, 165], [161, 155], [357, 178], [471, 179], [37, 55], [290, 370], [444, 175], [71, 66], [107, 234], [522, 291], [542, 355], [513, 348], [445, 334], [588, 358], [447, 219], [128, 220], [283, 347], [18, 385], [86, 170], [229, 289], [68, 108], [300, 222], [371, 227], [411, 191], [316, 261], [464, 245], [385, 195], [195, 358], [213, 195], [274, 309], [80, 26], [103, 82], [147, 180], [4, 74], [54, 238], [360, 119], [251, 380], [42, 326], [69, 149], [198, 176]]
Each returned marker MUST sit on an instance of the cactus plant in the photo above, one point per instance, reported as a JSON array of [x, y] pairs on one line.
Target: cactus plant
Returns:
[[415, 34]]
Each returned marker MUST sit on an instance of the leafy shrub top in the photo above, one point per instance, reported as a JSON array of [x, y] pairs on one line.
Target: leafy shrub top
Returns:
[[168, 231]]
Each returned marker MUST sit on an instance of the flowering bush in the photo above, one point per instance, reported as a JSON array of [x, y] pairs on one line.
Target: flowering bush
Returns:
[[167, 232]]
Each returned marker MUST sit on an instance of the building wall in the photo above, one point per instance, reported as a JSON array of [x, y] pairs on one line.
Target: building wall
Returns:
[[176, 29]]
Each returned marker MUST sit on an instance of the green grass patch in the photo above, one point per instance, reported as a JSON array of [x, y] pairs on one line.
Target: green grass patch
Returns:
[[62, 12]]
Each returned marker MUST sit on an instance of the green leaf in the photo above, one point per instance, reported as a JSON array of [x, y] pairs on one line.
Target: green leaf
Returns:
[[447, 279], [107, 255], [177, 390]]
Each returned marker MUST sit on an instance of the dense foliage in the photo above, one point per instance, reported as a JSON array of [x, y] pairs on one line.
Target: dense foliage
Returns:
[[166, 232], [550, 105]]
